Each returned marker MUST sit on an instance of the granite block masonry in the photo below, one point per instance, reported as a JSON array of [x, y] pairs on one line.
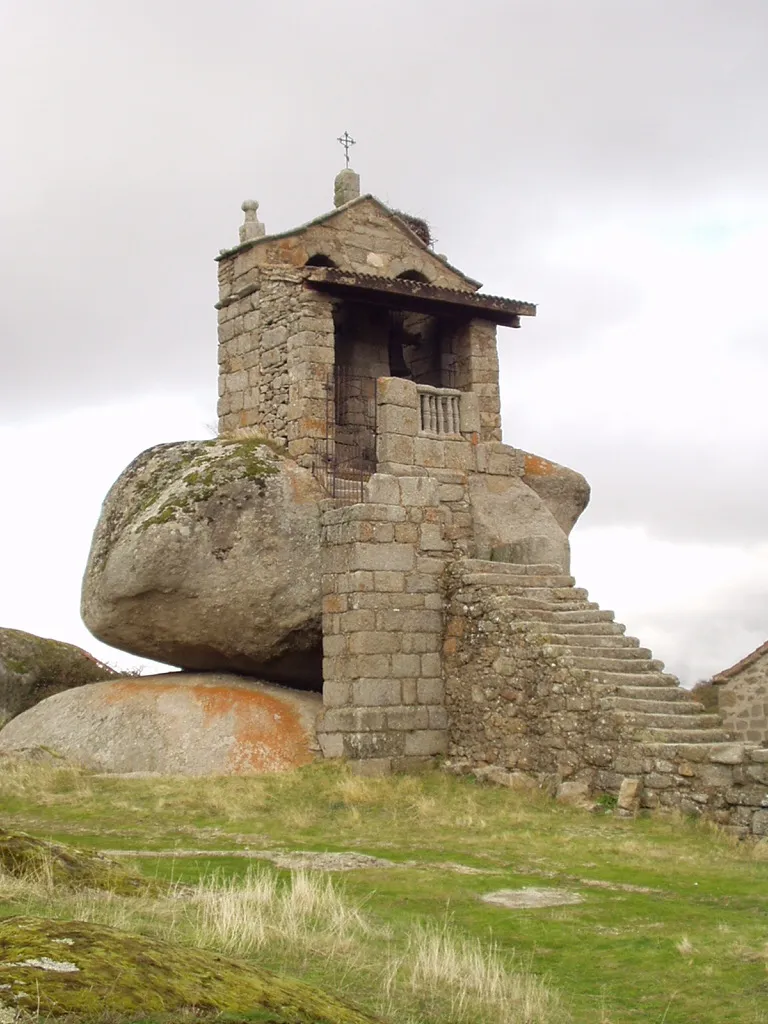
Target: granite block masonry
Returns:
[[367, 365], [450, 624]]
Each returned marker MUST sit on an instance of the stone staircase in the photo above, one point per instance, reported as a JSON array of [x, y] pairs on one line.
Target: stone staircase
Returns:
[[650, 705]]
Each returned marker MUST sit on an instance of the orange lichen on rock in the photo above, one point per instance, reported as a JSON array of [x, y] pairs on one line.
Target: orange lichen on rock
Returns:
[[536, 466], [176, 724]]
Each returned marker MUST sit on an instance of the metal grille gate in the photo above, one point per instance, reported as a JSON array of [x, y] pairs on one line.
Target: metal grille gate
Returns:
[[348, 453]]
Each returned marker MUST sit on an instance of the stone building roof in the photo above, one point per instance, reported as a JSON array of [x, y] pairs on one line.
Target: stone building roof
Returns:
[[421, 296], [734, 670], [397, 219]]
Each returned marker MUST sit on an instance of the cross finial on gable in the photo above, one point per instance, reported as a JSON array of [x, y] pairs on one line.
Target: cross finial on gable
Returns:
[[347, 141]]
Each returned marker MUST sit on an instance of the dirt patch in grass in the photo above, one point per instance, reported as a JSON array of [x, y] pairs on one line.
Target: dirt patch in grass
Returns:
[[528, 898]]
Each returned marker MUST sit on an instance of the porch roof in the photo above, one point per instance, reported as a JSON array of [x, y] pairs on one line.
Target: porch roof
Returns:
[[397, 293]]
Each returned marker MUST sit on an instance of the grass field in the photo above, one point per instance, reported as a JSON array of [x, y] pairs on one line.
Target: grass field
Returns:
[[672, 923]]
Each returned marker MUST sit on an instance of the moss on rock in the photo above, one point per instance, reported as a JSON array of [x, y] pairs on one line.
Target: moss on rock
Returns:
[[25, 856], [170, 479], [33, 668], [80, 970]]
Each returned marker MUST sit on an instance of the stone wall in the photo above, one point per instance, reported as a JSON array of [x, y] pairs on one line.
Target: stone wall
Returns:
[[383, 627], [742, 694], [517, 706], [276, 349]]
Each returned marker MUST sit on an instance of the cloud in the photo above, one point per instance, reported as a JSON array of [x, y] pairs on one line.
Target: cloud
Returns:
[[138, 131]]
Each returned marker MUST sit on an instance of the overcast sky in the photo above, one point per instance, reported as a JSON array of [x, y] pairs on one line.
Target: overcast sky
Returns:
[[606, 159]]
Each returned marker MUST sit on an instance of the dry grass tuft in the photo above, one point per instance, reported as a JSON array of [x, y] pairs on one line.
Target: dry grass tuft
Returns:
[[462, 981], [241, 916], [52, 781]]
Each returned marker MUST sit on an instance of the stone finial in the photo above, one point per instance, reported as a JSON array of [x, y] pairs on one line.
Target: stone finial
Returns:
[[251, 227], [346, 187]]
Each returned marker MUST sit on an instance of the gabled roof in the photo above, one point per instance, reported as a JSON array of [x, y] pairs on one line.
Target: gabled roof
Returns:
[[734, 670], [397, 222]]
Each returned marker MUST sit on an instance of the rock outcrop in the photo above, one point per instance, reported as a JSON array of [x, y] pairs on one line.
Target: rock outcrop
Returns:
[[26, 857], [174, 724], [207, 556], [33, 668], [77, 970]]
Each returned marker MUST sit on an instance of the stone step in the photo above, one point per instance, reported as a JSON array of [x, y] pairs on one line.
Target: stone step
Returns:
[[652, 706], [611, 649], [667, 751], [543, 600], [681, 736], [642, 691], [509, 568], [548, 614], [609, 665], [572, 631], [594, 645], [551, 595], [507, 580], [663, 720], [635, 679]]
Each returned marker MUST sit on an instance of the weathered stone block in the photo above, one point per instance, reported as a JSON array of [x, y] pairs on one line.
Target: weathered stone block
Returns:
[[431, 665], [374, 642], [418, 583], [425, 742], [407, 533], [759, 823], [334, 645], [630, 793], [432, 538], [408, 688], [428, 452], [396, 448], [406, 666], [732, 754], [336, 694], [417, 620], [382, 557], [371, 745], [469, 413], [419, 491], [408, 717], [383, 489], [369, 666], [396, 391], [389, 582], [331, 744], [438, 717], [396, 419], [421, 643], [376, 692], [356, 582], [358, 620]]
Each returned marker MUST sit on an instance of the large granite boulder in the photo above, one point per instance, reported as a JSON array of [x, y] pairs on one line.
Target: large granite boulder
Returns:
[[173, 724], [78, 970], [207, 556], [527, 518], [33, 668]]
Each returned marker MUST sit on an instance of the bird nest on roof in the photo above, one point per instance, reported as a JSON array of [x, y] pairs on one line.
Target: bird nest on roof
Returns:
[[417, 224]]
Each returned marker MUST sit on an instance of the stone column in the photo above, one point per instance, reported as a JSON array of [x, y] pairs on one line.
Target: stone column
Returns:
[[383, 627]]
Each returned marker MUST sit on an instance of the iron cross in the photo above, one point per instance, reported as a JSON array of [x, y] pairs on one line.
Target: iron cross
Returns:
[[346, 140]]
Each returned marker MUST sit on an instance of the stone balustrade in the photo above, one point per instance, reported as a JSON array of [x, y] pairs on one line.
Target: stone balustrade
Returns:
[[439, 411]]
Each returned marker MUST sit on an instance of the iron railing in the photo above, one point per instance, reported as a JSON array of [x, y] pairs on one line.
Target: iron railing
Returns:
[[347, 456]]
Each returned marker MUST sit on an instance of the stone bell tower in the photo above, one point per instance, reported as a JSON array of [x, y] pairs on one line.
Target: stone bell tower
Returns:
[[373, 361], [357, 293]]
